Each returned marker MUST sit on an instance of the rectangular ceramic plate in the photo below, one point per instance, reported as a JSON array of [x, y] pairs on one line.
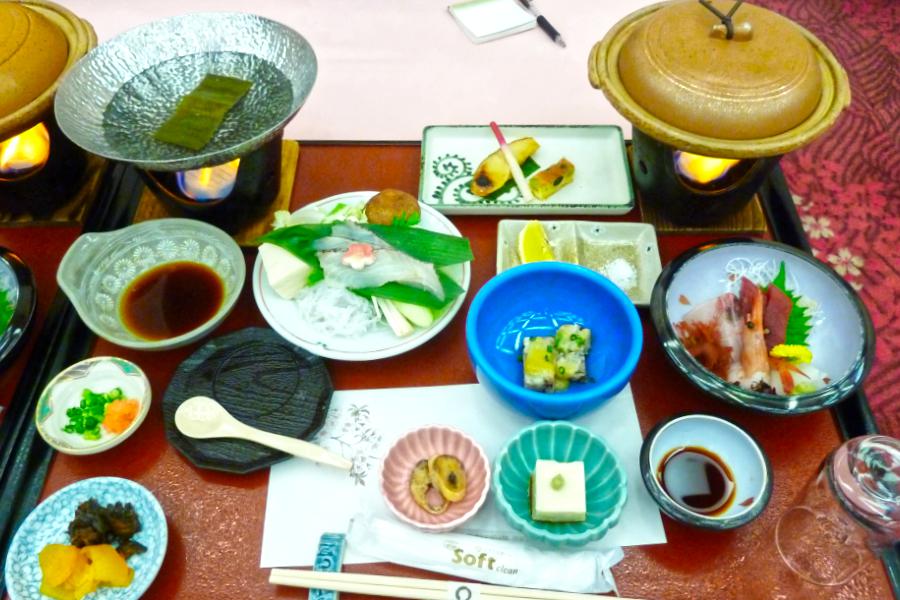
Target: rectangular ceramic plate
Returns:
[[598, 246], [602, 184]]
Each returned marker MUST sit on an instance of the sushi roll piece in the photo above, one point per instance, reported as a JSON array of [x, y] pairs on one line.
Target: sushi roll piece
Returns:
[[573, 338], [539, 363], [570, 366]]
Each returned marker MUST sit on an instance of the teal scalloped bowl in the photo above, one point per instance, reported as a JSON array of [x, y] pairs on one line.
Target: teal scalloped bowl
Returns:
[[605, 482]]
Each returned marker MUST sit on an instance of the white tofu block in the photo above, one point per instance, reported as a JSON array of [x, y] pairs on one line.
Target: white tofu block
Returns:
[[557, 492], [286, 273]]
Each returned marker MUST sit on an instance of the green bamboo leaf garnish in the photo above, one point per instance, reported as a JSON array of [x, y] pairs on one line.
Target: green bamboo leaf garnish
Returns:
[[798, 323], [6, 310], [200, 113], [438, 249], [413, 295]]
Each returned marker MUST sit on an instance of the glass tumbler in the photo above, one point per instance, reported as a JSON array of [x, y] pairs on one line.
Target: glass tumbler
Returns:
[[850, 509]]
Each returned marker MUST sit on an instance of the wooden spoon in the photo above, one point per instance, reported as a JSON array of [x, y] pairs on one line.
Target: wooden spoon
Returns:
[[201, 418]]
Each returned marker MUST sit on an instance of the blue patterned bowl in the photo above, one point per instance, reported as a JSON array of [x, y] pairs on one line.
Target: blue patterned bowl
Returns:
[[49, 522], [605, 483]]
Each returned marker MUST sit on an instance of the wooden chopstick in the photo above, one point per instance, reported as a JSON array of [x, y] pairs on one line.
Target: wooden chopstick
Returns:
[[407, 587]]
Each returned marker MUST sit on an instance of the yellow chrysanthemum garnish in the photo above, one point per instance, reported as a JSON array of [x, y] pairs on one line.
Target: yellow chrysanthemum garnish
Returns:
[[792, 352]]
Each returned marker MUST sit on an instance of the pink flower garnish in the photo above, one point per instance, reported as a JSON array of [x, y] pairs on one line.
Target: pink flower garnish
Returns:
[[358, 256]]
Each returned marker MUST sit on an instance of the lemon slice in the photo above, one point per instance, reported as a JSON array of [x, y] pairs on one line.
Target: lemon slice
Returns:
[[533, 244]]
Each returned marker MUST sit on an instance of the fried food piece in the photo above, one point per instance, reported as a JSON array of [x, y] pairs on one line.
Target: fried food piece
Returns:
[[448, 476], [420, 485], [388, 207]]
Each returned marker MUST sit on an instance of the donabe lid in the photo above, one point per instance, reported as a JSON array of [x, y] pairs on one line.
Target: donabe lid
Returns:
[[671, 70], [33, 52], [39, 41]]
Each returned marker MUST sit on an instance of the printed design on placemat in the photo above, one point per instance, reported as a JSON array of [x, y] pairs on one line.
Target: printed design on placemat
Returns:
[[455, 173], [350, 433]]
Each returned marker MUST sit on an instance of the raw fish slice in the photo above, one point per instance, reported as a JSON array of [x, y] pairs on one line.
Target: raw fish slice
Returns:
[[389, 265], [357, 234], [775, 317], [730, 326], [754, 356], [712, 333]]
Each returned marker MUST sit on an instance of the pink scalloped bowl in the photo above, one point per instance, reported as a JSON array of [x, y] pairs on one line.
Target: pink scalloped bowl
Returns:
[[424, 443]]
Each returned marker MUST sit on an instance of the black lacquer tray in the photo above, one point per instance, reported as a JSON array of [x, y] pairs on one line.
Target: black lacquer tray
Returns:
[[264, 382]]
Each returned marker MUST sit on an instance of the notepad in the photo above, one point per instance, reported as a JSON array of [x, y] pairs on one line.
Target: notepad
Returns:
[[486, 20]]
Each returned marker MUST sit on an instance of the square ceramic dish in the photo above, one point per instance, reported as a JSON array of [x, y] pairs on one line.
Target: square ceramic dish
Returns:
[[602, 184], [598, 246]]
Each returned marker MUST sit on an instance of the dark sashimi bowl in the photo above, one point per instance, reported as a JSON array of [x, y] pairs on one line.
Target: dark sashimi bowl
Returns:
[[842, 338]]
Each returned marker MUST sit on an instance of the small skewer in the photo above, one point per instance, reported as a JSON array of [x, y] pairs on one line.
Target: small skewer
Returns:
[[514, 167]]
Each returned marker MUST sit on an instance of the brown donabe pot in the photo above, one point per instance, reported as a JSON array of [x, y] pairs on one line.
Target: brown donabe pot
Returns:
[[669, 69], [39, 42]]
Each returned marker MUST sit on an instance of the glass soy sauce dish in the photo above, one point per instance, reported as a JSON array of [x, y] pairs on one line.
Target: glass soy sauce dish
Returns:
[[706, 471]]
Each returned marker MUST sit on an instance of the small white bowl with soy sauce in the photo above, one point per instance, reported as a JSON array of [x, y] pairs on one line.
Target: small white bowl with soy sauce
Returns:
[[706, 471]]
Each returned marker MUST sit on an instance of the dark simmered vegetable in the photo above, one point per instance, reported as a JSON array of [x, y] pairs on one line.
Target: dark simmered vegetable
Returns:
[[111, 524]]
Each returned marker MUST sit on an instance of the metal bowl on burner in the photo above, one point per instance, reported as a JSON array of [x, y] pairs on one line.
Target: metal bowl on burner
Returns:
[[113, 100]]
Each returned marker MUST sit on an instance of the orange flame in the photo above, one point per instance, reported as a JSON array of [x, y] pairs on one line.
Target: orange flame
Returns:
[[25, 153], [703, 169], [209, 183]]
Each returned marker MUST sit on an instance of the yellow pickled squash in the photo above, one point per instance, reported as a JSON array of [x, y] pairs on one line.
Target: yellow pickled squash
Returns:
[[533, 243]]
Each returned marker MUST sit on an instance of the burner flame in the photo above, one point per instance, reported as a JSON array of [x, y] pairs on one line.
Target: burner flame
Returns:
[[24, 154], [209, 183], [702, 169]]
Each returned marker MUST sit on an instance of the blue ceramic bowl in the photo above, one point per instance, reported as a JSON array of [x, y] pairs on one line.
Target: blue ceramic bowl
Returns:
[[534, 300], [49, 522], [605, 483]]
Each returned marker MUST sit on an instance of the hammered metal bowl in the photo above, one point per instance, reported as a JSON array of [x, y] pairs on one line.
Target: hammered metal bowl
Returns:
[[114, 99]]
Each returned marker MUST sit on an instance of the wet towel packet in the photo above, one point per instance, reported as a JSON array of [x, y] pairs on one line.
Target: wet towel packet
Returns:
[[488, 560]]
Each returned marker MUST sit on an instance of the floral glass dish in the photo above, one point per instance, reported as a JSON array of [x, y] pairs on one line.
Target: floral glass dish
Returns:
[[100, 269], [604, 482], [625, 253], [48, 524], [99, 375], [788, 352], [284, 316], [404, 462]]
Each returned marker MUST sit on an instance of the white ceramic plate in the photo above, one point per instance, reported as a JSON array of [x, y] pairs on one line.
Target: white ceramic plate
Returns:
[[100, 374], [380, 342], [602, 185], [593, 245]]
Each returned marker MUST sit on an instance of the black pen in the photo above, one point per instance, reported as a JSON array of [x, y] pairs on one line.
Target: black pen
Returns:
[[543, 23]]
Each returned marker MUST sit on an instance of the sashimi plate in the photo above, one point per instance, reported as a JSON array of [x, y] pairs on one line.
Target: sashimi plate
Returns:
[[380, 342]]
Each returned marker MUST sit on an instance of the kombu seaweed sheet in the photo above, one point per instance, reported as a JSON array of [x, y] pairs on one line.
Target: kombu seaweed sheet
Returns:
[[200, 113]]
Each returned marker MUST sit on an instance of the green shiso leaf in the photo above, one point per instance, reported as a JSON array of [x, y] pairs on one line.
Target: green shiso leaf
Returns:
[[528, 167], [413, 295], [6, 310], [798, 325], [438, 249], [200, 113]]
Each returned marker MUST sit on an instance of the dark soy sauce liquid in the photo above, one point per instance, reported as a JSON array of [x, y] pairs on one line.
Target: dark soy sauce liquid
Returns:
[[697, 479], [171, 299]]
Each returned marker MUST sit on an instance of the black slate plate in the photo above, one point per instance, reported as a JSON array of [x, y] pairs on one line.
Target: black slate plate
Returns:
[[17, 280], [261, 379]]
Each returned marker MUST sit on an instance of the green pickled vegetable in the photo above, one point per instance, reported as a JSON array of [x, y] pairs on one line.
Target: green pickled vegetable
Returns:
[[200, 113], [85, 419]]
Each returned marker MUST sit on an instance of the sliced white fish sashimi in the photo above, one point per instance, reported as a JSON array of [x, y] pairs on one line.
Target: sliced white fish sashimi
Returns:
[[390, 265]]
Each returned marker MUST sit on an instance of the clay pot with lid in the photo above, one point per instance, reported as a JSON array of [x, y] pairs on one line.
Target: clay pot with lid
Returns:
[[39, 42], [673, 70]]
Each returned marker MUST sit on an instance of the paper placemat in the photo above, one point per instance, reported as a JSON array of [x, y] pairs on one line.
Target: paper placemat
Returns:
[[305, 499]]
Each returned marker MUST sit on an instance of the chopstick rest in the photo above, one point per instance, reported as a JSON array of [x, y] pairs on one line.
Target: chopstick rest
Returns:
[[329, 558]]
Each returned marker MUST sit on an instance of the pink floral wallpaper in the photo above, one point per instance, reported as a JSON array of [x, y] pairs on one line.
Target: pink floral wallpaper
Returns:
[[846, 185]]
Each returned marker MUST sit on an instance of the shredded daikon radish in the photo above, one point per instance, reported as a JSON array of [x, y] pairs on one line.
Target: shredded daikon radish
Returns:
[[334, 310]]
